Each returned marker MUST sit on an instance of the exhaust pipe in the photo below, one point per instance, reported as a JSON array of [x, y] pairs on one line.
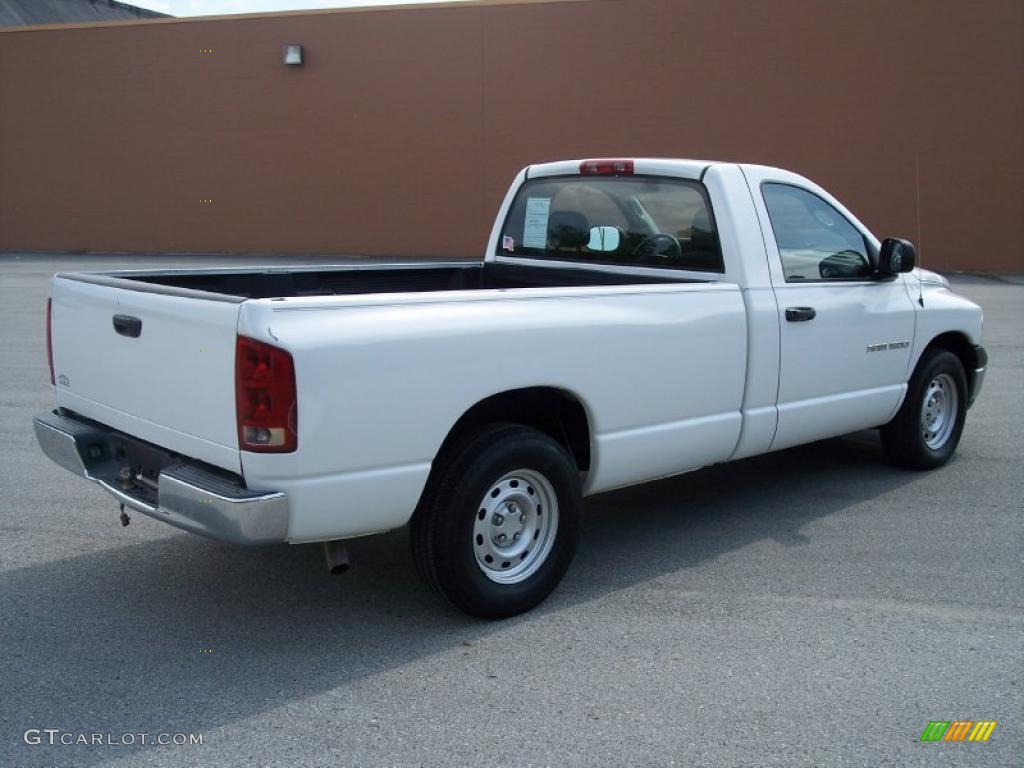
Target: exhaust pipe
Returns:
[[337, 556]]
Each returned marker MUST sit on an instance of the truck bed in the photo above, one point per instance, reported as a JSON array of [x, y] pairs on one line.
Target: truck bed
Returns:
[[351, 279], [130, 343]]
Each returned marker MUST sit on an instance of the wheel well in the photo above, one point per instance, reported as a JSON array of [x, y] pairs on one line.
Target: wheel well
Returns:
[[959, 345], [555, 412]]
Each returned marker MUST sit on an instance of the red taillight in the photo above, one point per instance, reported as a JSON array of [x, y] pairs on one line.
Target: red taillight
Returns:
[[265, 398], [606, 168], [49, 338]]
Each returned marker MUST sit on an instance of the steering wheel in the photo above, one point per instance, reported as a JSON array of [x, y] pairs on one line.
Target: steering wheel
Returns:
[[655, 247]]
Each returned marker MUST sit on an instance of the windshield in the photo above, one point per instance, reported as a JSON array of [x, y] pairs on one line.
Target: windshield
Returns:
[[635, 221]]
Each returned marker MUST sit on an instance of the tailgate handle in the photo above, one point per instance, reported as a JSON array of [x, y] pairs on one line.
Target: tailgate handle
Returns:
[[126, 325]]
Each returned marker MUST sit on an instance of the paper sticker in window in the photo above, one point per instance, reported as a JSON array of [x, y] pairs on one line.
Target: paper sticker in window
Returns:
[[535, 228]]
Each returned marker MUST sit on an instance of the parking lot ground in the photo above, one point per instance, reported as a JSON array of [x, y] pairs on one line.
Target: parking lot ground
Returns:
[[813, 607]]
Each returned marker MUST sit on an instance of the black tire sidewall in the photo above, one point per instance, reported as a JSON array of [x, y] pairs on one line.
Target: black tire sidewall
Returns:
[[919, 455], [461, 578]]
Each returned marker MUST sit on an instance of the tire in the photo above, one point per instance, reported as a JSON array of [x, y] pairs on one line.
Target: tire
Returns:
[[927, 428], [504, 483]]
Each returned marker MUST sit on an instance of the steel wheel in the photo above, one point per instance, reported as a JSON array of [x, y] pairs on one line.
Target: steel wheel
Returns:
[[499, 520], [939, 410], [515, 526], [926, 429]]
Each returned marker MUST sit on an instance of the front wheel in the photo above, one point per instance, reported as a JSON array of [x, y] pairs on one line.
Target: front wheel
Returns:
[[499, 522], [926, 429]]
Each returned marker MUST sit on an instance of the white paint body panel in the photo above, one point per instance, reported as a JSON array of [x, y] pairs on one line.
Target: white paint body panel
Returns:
[[825, 362], [671, 376], [942, 312], [747, 265], [174, 385], [829, 382], [382, 379]]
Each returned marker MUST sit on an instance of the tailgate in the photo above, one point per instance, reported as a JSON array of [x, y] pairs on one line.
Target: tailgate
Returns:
[[171, 384]]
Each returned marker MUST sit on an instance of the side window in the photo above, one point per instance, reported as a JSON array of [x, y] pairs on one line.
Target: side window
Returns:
[[815, 241]]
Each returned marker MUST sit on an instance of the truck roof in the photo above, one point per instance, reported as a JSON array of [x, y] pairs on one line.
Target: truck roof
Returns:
[[651, 166], [688, 169]]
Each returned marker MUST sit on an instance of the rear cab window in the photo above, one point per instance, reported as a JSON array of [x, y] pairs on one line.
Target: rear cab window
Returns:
[[635, 221]]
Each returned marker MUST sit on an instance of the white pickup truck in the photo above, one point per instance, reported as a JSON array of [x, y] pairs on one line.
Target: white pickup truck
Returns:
[[630, 320]]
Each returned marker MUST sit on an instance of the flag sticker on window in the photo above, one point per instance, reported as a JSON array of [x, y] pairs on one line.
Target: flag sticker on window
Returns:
[[535, 228], [508, 243]]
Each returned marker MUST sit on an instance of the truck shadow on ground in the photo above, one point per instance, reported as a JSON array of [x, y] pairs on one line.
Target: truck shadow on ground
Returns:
[[126, 628]]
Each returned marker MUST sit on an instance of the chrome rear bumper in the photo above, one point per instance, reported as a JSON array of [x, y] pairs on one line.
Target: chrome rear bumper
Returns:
[[183, 494]]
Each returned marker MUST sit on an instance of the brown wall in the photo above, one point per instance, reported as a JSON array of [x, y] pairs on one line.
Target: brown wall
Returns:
[[400, 133]]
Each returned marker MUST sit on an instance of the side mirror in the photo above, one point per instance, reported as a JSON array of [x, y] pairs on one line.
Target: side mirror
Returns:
[[604, 239], [896, 256]]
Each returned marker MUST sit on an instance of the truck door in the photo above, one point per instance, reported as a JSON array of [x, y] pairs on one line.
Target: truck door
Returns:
[[846, 337]]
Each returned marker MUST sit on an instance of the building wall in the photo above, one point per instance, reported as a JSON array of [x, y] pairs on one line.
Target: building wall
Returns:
[[400, 133]]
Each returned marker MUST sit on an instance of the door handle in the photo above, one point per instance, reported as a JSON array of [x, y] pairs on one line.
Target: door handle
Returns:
[[800, 314], [126, 325]]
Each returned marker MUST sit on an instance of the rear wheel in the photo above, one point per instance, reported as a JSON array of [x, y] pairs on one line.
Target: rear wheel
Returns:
[[927, 428], [499, 522]]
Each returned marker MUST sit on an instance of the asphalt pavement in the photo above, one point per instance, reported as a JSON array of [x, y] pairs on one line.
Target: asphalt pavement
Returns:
[[814, 607]]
